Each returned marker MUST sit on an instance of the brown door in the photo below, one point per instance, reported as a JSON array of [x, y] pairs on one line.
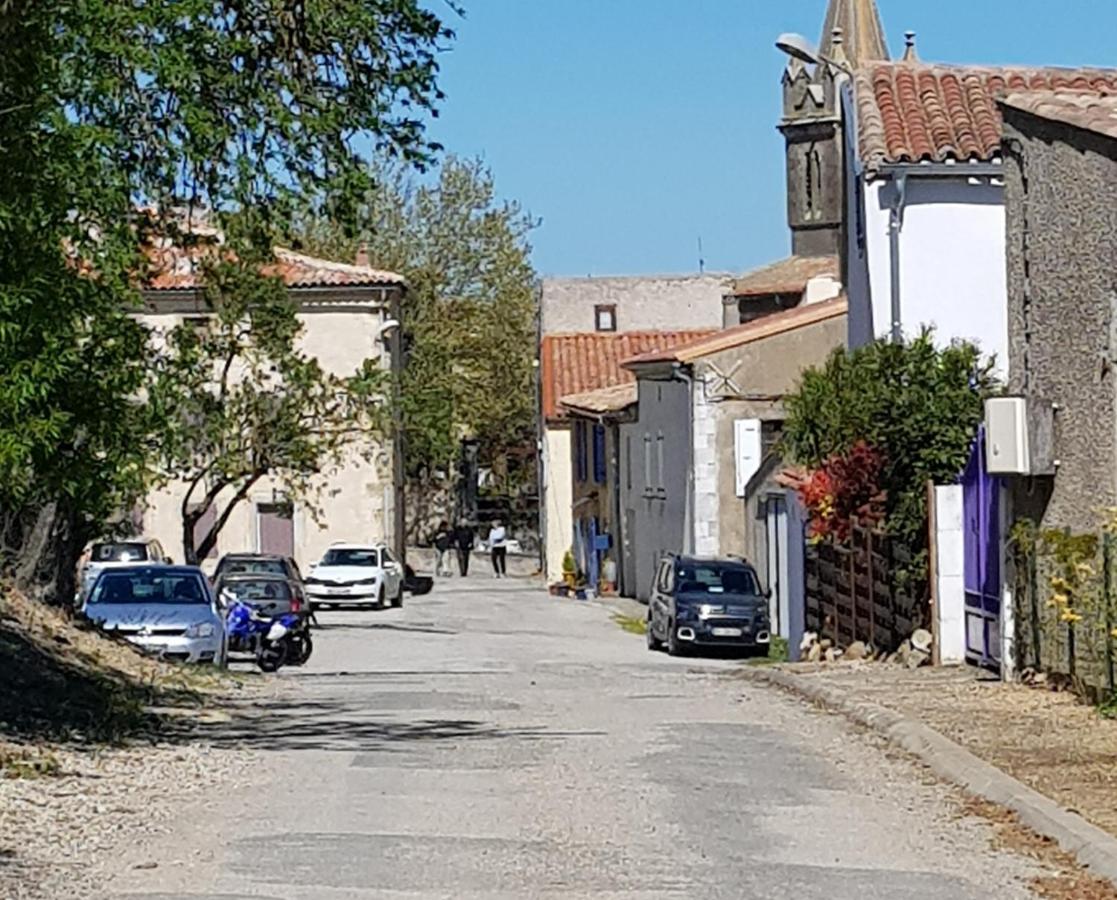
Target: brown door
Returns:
[[275, 524]]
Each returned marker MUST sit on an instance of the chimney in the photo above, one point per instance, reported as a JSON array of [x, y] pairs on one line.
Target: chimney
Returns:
[[362, 255], [910, 53]]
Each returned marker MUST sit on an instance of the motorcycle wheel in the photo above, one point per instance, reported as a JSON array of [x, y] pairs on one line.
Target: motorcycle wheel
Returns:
[[269, 657], [301, 648]]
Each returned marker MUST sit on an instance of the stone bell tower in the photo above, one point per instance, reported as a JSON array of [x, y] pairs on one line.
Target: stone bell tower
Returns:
[[812, 124]]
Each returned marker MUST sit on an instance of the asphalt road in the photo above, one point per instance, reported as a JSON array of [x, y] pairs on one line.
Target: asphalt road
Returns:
[[490, 742]]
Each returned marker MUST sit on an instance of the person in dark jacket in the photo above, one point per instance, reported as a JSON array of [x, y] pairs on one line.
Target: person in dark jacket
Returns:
[[463, 541], [443, 538]]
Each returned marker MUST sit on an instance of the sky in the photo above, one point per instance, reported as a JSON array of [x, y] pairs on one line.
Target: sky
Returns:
[[635, 128]]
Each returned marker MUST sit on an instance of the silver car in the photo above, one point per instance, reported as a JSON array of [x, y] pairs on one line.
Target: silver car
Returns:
[[168, 611]]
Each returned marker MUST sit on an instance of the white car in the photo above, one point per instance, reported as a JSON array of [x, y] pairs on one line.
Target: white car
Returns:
[[355, 575], [104, 555]]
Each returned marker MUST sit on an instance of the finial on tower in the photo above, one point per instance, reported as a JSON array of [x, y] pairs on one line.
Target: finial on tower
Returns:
[[861, 31], [910, 53]]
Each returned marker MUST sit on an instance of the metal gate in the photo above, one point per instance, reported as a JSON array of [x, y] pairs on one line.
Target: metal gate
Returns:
[[981, 499]]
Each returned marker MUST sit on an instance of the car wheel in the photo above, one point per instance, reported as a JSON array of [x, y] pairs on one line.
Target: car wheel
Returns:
[[380, 599], [654, 643], [397, 600], [674, 647]]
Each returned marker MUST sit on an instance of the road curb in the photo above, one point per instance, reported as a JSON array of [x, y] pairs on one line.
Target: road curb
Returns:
[[1093, 848]]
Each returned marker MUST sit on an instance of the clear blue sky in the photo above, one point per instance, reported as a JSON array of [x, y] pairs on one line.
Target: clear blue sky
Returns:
[[631, 127]]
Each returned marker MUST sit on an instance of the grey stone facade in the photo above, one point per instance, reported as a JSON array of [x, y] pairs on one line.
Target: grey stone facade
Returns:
[[1061, 194]]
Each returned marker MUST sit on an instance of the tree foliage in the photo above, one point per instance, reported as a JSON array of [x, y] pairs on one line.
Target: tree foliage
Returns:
[[470, 312], [228, 106], [235, 401], [917, 404]]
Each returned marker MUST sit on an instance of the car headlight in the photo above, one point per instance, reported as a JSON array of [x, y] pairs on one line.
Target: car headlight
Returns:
[[367, 581], [708, 609], [201, 630]]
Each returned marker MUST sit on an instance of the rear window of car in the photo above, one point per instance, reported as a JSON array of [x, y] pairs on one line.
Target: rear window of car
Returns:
[[124, 551], [350, 557], [264, 589], [126, 587], [714, 579], [253, 567]]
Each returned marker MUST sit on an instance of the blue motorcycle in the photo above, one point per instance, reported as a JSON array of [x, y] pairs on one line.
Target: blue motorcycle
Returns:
[[270, 639]]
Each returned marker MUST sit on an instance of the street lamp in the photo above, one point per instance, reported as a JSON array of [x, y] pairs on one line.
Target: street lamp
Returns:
[[798, 47]]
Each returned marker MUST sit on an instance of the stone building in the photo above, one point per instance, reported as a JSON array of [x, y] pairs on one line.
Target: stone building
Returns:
[[343, 310], [1061, 188], [710, 412]]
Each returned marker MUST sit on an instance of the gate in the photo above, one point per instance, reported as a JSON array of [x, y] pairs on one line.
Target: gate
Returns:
[[981, 505]]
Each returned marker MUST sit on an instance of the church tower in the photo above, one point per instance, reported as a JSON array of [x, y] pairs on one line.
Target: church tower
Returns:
[[812, 124]]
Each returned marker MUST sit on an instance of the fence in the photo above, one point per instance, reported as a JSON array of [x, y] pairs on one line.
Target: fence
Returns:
[[1065, 587], [854, 592]]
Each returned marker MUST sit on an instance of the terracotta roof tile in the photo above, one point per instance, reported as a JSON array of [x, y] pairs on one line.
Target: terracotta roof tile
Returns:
[[176, 268], [578, 363], [1085, 110], [788, 276], [914, 112], [756, 330]]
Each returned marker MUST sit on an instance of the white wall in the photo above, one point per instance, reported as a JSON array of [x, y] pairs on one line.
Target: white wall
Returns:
[[706, 490], [644, 303], [952, 263], [558, 495]]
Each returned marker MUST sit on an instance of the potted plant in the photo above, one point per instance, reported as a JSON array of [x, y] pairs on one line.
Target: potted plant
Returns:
[[569, 569]]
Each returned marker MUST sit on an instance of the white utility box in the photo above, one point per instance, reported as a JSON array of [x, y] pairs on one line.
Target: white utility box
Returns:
[[1007, 450]]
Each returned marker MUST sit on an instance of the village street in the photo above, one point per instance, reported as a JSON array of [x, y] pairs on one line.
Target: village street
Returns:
[[490, 741]]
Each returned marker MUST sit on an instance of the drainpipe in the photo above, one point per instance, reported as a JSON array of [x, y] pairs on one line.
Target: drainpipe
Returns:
[[896, 225], [681, 374]]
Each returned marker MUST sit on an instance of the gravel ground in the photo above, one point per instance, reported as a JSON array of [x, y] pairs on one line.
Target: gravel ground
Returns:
[[489, 742], [64, 837], [1047, 740]]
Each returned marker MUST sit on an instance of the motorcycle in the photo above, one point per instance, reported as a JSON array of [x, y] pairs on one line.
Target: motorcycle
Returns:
[[270, 639]]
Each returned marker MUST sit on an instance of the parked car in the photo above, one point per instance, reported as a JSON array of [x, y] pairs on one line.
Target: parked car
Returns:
[[356, 574], [268, 598], [707, 603], [268, 593], [168, 611], [258, 564], [114, 554]]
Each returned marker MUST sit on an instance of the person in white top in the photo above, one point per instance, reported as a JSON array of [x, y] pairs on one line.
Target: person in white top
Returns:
[[498, 546]]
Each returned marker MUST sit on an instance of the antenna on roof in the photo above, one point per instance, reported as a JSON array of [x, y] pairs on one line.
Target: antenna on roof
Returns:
[[701, 257]]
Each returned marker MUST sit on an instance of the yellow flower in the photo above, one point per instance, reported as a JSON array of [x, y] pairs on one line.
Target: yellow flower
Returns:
[[1113, 633], [1084, 569], [1069, 615], [1059, 600], [1059, 584]]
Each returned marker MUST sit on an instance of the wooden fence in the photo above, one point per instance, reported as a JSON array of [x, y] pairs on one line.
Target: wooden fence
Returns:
[[853, 593]]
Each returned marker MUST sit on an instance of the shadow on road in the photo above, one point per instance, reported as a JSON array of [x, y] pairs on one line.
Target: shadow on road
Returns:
[[336, 725], [380, 626]]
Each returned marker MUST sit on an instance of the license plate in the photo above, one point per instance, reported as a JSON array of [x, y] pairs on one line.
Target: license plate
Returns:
[[727, 632], [337, 590]]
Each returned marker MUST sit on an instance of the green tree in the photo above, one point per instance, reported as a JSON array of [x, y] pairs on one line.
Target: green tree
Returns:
[[918, 404], [469, 316], [169, 104], [237, 401]]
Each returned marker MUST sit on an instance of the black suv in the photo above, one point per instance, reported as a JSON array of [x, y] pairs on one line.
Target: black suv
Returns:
[[707, 603]]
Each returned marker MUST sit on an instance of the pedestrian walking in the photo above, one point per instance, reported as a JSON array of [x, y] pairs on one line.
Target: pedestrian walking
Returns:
[[463, 541], [443, 538], [498, 547]]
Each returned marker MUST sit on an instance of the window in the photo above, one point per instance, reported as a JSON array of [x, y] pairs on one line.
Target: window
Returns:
[[647, 463], [202, 527], [660, 484], [605, 317], [581, 452], [666, 577], [600, 467], [351, 556], [715, 579], [149, 586]]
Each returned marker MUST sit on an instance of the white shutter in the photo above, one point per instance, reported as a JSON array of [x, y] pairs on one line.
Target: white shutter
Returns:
[[746, 440]]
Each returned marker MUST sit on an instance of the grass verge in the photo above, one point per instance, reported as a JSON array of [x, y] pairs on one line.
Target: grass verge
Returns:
[[631, 624]]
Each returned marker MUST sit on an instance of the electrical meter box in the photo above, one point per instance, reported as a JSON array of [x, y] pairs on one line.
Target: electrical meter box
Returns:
[[1007, 447]]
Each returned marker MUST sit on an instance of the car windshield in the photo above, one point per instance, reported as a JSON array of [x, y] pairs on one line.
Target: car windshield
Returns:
[[341, 556], [149, 587], [253, 567], [252, 589], [127, 551], [715, 579]]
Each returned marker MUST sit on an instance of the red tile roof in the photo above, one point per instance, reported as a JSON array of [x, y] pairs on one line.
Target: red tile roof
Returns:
[[177, 269], [788, 276], [756, 330], [579, 363], [1087, 111], [913, 112]]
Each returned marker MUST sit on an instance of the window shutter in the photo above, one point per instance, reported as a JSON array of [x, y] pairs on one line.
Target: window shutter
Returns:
[[747, 443], [599, 462]]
